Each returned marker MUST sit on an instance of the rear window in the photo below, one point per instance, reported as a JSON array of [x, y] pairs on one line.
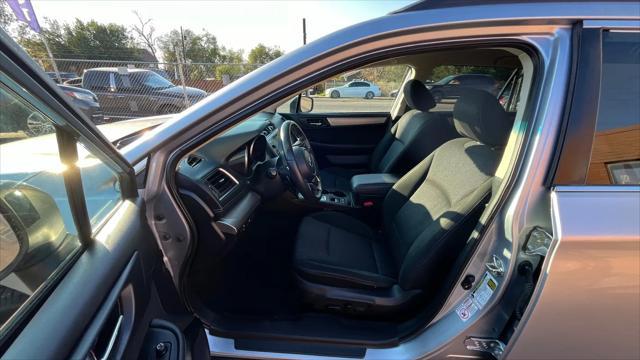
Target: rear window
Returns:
[[96, 80]]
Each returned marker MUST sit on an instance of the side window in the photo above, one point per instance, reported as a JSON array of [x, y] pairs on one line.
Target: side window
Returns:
[[370, 89], [100, 185], [615, 157], [123, 82], [447, 82], [37, 231], [37, 225], [96, 80]]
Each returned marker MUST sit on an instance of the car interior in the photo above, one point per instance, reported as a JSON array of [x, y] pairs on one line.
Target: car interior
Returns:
[[348, 227]]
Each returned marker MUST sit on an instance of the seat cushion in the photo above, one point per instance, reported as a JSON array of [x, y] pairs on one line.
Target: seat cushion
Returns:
[[338, 179], [337, 250]]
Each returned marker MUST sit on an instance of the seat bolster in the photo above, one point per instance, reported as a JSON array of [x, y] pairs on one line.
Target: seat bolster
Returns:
[[342, 277]]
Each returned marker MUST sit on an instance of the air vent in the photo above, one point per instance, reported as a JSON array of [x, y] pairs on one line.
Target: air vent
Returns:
[[221, 183], [193, 160]]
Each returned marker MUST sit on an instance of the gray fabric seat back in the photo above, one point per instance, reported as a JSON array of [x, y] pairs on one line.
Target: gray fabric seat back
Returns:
[[403, 138], [425, 209]]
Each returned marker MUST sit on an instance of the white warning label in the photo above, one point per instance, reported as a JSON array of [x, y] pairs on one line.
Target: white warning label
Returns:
[[478, 298]]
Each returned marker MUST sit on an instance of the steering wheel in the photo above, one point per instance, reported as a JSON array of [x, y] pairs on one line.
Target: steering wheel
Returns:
[[302, 164]]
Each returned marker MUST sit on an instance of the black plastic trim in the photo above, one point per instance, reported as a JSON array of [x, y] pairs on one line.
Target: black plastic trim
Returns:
[[575, 153]]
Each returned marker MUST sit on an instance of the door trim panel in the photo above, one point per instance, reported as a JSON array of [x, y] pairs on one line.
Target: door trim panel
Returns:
[[356, 121]]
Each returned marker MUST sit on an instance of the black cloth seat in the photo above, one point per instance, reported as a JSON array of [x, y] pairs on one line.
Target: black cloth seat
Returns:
[[414, 136], [340, 250], [427, 218]]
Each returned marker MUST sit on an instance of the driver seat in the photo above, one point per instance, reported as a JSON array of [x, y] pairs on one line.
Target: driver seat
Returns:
[[342, 264]]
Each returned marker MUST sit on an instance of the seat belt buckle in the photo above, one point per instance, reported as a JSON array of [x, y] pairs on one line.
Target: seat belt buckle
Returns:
[[368, 203]]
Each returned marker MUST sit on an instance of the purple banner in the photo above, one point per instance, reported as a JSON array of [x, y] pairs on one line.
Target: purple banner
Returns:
[[24, 12]]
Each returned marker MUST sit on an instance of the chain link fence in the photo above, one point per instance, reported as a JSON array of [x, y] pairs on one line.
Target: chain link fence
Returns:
[[131, 89]]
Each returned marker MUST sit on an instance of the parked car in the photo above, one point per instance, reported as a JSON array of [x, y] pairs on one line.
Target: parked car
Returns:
[[453, 85], [64, 76], [128, 93], [476, 232], [86, 101], [77, 82], [15, 117], [356, 88]]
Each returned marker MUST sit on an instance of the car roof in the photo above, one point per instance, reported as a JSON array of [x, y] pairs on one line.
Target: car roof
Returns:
[[115, 69], [443, 4]]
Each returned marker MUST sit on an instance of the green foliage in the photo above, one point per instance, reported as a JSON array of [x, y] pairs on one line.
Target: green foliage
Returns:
[[197, 47], [6, 17], [262, 54], [201, 48], [81, 40]]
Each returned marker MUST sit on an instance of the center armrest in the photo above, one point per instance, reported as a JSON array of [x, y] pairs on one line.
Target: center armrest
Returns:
[[372, 186]]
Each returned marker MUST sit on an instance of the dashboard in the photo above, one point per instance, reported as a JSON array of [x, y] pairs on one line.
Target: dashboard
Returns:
[[218, 182]]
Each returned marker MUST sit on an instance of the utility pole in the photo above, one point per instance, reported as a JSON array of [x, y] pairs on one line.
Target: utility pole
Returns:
[[184, 55], [304, 31]]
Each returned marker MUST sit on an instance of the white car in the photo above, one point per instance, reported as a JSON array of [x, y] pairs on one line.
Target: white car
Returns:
[[356, 88]]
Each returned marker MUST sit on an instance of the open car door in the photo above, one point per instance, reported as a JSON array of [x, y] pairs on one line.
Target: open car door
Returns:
[[81, 275]]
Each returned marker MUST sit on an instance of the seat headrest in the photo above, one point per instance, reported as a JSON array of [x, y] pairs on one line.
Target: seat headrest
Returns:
[[478, 115], [418, 96]]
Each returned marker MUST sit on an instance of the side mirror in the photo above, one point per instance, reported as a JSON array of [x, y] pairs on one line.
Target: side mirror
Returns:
[[306, 104], [33, 236]]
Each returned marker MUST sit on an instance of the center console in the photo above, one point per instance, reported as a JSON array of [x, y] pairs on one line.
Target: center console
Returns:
[[337, 198], [367, 190]]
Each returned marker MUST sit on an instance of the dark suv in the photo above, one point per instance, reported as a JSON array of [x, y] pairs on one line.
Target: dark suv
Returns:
[[129, 93], [453, 85]]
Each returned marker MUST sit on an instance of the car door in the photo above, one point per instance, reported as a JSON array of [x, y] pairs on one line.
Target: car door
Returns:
[[344, 132], [596, 209], [81, 275], [102, 84]]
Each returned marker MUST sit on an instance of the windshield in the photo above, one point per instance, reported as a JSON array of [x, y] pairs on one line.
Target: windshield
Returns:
[[445, 80]]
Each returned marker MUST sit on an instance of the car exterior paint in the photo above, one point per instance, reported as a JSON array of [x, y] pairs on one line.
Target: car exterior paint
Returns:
[[86, 101]]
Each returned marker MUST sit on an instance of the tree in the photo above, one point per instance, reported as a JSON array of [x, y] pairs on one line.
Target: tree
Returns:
[[81, 40], [197, 47], [262, 54], [145, 33], [6, 17], [201, 48]]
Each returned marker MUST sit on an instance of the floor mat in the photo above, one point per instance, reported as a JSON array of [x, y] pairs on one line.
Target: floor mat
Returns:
[[256, 277]]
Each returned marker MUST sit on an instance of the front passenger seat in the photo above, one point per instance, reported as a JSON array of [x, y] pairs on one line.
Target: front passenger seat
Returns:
[[414, 136], [342, 263]]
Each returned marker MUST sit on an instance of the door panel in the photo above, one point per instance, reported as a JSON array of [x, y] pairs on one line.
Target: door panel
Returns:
[[102, 301], [116, 271], [343, 139]]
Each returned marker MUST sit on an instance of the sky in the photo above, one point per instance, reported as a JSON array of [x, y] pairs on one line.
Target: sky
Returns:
[[236, 24]]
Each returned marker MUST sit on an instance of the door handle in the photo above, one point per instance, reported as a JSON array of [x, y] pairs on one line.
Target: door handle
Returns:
[[315, 122], [112, 339]]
